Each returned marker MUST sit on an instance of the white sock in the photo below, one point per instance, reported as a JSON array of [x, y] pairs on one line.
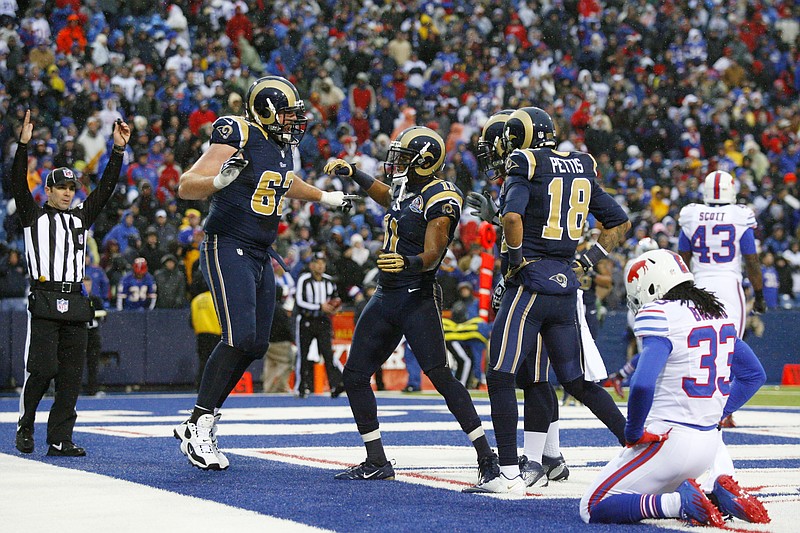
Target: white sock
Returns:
[[510, 471], [671, 504], [552, 446], [534, 445]]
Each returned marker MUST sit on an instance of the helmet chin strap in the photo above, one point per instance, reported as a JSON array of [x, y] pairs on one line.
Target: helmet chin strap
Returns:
[[399, 186]]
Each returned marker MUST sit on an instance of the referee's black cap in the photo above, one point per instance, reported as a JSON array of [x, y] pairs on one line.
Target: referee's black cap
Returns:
[[61, 175]]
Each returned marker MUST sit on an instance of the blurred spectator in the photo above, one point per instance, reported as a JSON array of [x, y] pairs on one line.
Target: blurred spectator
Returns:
[[171, 283], [279, 360], [13, 280], [137, 289]]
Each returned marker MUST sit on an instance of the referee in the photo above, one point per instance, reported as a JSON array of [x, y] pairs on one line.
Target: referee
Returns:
[[58, 312], [315, 301]]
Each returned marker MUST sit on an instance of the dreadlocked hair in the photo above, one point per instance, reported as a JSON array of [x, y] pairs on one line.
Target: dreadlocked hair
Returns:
[[705, 302]]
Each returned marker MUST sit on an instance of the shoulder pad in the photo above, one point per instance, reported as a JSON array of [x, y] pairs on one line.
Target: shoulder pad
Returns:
[[521, 163], [440, 191], [230, 130]]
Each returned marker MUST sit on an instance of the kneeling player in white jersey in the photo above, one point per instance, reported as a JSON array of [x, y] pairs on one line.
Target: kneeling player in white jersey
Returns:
[[714, 239], [695, 371]]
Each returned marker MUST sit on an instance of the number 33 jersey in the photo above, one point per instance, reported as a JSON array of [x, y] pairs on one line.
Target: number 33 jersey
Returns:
[[249, 209], [696, 380], [405, 225], [717, 236]]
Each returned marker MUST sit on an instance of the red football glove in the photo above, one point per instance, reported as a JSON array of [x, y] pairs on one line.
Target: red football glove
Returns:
[[647, 438]]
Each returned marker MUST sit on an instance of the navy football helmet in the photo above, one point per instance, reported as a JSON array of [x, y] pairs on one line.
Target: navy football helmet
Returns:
[[529, 127], [267, 99], [491, 149], [416, 155]]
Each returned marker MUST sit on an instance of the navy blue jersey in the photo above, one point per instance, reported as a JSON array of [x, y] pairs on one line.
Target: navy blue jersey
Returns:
[[249, 209], [405, 228], [554, 191]]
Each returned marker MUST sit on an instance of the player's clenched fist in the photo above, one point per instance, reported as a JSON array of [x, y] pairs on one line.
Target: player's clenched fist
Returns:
[[392, 262], [229, 171], [339, 167], [647, 438]]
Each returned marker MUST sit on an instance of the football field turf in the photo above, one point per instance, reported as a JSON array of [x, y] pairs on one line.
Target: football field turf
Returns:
[[284, 452]]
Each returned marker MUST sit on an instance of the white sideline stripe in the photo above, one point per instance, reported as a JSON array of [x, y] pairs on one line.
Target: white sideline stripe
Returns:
[[37, 497]]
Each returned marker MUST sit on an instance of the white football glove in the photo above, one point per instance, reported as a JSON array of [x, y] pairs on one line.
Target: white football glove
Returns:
[[230, 170], [333, 198]]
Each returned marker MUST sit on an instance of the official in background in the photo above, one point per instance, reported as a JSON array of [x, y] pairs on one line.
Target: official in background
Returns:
[[206, 329], [55, 243], [94, 344], [316, 300]]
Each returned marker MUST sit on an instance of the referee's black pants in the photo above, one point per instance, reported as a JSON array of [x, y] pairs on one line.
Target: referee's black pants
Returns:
[[309, 328], [56, 350]]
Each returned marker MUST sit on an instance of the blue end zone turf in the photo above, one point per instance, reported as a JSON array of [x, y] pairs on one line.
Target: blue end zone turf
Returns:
[[308, 494]]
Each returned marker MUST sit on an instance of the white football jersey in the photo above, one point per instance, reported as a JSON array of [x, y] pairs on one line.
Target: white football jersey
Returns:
[[715, 233], [694, 385]]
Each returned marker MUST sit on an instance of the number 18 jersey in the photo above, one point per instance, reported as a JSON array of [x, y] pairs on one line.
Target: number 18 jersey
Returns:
[[717, 236], [695, 382]]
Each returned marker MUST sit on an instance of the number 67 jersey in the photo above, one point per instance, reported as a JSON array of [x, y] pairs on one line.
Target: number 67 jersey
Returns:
[[696, 380], [249, 209]]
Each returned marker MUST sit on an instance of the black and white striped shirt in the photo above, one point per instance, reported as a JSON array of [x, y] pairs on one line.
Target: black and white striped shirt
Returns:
[[55, 240], [311, 294]]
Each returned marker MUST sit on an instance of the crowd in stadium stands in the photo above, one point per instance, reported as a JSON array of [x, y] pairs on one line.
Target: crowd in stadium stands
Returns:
[[661, 93]]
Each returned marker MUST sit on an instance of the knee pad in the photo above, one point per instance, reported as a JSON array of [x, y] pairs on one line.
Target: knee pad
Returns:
[[353, 380], [499, 380], [579, 388], [440, 376]]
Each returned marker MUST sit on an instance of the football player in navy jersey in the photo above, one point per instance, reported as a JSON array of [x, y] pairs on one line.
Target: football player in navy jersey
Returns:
[[247, 170], [422, 215], [545, 201]]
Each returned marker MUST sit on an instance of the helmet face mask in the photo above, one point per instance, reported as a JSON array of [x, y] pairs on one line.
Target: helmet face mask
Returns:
[[491, 152], [652, 275], [529, 127], [414, 157], [646, 244], [273, 103], [719, 188]]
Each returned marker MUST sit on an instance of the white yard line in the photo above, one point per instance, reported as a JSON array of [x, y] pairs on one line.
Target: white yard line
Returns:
[[37, 497]]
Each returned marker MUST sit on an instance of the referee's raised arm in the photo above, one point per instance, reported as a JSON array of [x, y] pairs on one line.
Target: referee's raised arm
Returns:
[[26, 206], [97, 198]]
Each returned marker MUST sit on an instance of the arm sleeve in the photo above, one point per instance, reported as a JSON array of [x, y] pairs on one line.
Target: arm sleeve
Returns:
[[748, 376], [26, 206], [444, 200], [517, 196], [748, 242], [99, 197], [684, 245], [655, 351]]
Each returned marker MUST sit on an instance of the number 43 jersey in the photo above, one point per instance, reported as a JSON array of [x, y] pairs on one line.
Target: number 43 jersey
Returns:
[[717, 236], [696, 380], [405, 225], [249, 209]]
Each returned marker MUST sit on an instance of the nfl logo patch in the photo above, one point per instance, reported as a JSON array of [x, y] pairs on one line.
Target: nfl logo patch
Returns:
[[62, 306]]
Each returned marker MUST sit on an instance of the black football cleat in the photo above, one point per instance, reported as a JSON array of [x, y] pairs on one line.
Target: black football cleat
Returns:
[[66, 448], [25, 440], [367, 470]]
